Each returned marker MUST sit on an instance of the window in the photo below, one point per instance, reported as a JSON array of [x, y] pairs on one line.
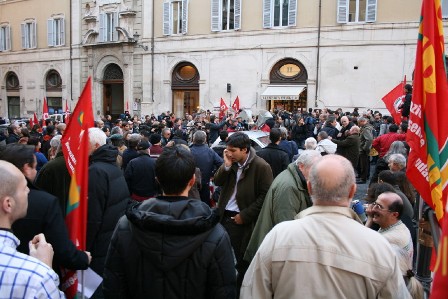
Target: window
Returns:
[[279, 13], [175, 17], [56, 29], [108, 22], [29, 35], [444, 9], [226, 15], [354, 11], [5, 38]]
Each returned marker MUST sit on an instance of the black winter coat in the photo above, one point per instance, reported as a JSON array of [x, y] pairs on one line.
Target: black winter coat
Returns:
[[276, 157], [108, 198], [140, 176], [331, 131], [170, 247], [44, 216]]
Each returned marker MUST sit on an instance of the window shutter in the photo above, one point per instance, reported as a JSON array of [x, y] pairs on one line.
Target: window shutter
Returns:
[[23, 31], [371, 11], [50, 33], [62, 32], [267, 16], [33, 41], [167, 18], [342, 11], [444, 9], [237, 13], [216, 15], [292, 12], [184, 16], [8, 38], [2, 38], [102, 27], [114, 30]]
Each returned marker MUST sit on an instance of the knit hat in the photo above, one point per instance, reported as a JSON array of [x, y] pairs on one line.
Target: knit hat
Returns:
[[116, 137], [143, 145]]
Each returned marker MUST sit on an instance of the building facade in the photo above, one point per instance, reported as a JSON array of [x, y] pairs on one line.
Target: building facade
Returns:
[[181, 55]]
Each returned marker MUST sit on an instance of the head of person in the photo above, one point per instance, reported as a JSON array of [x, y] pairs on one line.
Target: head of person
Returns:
[[387, 176], [408, 88], [270, 122], [199, 137], [344, 121], [328, 189], [397, 147], [61, 127], [322, 135], [55, 143], [284, 133], [387, 209], [175, 182], [166, 133], [21, 156], [275, 135], [376, 189], [117, 140], [13, 194], [100, 124], [331, 120], [133, 140], [106, 130], [238, 147], [50, 130], [362, 121], [223, 135], [143, 146], [306, 159], [97, 138], [393, 128], [354, 130], [310, 143], [396, 162], [155, 139], [34, 141]]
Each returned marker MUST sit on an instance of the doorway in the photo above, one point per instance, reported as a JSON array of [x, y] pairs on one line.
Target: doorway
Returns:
[[113, 91], [185, 87]]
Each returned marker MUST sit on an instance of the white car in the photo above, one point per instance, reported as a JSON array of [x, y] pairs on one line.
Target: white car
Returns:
[[258, 139]]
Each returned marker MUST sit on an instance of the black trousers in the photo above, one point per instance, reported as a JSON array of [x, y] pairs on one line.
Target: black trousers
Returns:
[[363, 166]]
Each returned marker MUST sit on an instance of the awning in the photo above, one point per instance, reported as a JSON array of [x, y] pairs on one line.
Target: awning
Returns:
[[282, 92]]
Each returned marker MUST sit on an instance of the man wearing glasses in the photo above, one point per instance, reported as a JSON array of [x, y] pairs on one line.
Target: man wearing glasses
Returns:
[[386, 211]]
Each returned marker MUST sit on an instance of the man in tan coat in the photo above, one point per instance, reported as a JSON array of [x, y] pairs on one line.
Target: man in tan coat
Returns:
[[326, 253]]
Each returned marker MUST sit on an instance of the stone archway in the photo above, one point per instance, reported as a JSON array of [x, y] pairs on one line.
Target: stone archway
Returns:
[[113, 91], [185, 88]]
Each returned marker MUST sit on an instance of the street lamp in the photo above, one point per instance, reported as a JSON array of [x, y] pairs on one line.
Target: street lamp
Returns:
[[135, 38]]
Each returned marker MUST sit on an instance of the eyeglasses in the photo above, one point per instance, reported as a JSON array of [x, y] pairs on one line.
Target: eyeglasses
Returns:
[[380, 207]]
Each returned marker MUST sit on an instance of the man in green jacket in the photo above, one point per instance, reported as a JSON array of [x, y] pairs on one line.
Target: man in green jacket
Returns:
[[287, 196], [245, 179]]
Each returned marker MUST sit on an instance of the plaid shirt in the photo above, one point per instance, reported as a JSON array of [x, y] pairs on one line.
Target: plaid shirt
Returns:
[[22, 276]]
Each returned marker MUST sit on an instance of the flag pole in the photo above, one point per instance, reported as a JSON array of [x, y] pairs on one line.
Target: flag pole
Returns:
[[82, 284]]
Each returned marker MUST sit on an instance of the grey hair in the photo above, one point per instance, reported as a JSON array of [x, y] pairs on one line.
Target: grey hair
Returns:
[[307, 158], [115, 130], [322, 135], [199, 137], [398, 159], [332, 188], [362, 118], [354, 128], [97, 136], [397, 147], [284, 132], [310, 143], [55, 142]]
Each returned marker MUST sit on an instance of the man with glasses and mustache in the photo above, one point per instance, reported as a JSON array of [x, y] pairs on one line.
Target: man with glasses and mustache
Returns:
[[386, 211]]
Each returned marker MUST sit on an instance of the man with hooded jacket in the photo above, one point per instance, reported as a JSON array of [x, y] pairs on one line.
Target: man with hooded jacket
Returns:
[[170, 246]]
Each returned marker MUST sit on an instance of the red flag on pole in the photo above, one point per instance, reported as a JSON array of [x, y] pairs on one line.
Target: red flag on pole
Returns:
[[45, 114], [236, 105], [31, 123], [67, 112], [393, 100], [427, 135], [75, 143], [222, 109]]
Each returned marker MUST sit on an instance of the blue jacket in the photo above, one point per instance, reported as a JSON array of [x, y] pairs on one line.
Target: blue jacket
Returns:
[[207, 160]]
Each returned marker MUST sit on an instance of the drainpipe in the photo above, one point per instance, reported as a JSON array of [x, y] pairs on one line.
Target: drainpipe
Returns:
[[152, 55], [318, 54], [71, 58]]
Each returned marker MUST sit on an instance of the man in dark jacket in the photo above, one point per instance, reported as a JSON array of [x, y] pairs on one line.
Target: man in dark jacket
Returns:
[[207, 160], [108, 196], [170, 246], [275, 156], [330, 127], [406, 105], [245, 179], [140, 173], [43, 215], [349, 147], [13, 134], [214, 127]]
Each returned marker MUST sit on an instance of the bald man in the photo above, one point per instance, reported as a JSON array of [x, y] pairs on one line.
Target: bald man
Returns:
[[22, 276], [326, 252]]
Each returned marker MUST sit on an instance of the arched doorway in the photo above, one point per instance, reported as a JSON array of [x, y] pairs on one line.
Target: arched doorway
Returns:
[[113, 92], [185, 87], [288, 86], [53, 88], [13, 95]]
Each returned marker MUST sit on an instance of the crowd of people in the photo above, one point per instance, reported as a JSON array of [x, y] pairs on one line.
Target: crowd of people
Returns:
[[156, 228]]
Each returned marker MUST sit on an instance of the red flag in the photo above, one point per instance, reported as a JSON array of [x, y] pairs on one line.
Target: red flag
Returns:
[[75, 143], [31, 123], [45, 114], [67, 112], [440, 283], [222, 109], [127, 105], [427, 135], [236, 105], [393, 100]]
